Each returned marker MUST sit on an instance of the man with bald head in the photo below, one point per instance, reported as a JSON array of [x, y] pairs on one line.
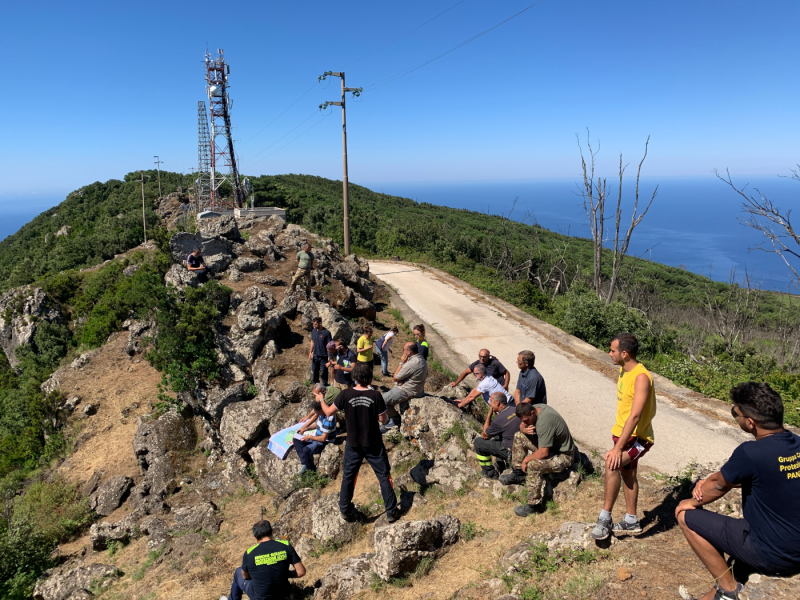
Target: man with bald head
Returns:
[[494, 368], [409, 380]]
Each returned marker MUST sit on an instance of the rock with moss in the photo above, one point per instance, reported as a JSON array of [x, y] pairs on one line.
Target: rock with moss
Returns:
[[110, 495], [272, 472], [243, 422], [197, 518], [431, 423], [22, 310], [70, 581], [346, 579], [401, 547], [327, 523]]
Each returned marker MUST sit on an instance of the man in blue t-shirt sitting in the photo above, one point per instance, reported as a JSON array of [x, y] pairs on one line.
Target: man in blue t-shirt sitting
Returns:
[[265, 573], [767, 539]]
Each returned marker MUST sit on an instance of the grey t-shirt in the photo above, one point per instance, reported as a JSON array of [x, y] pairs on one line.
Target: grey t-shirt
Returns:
[[552, 431], [413, 374], [304, 259]]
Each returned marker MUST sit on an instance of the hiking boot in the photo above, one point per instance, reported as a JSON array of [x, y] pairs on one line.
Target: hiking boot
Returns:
[[723, 595], [490, 472], [528, 509], [403, 407], [517, 476], [393, 516], [352, 515], [302, 470], [625, 527], [500, 465], [602, 529]]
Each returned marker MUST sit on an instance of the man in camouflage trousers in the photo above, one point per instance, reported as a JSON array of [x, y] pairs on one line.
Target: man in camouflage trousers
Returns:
[[543, 445]]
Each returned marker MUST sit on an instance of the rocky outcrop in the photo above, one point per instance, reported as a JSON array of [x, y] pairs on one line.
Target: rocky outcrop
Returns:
[[327, 524], [158, 447], [217, 251], [331, 319], [137, 331], [21, 312], [451, 475], [243, 422], [249, 264], [346, 579], [69, 581], [110, 495], [157, 532], [353, 304], [330, 460], [437, 428], [100, 534], [272, 472], [255, 304], [220, 227], [201, 517], [180, 277], [400, 547]]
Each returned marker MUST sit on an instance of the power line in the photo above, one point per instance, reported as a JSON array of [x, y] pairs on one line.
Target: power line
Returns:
[[283, 136], [292, 140], [454, 48], [405, 34], [280, 115]]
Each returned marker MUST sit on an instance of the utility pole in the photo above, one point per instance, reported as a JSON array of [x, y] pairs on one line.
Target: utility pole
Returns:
[[144, 221], [345, 198], [158, 163]]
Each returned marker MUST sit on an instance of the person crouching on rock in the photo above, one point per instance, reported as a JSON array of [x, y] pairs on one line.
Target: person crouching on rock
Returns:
[[195, 264], [265, 572], [310, 445], [545, 435], [497, 437], [363, 409]]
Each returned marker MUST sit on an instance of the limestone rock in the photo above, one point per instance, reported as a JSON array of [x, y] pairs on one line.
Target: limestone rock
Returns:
[[219, 227], [273, 473], [243, 422], [214, 402], [89, 410], [157, 532], [330, 461], [262, 372], [288, 306], [69, 581], [333, 321], [180, 277], [217, 251], [459, 392], [297, 392], [400, 547], [140, 500], [294, 519], [328, 525], [110, 494], [448, 474], [250, 264], [158, 447], [346, 579], [289, 415], [130, 270], [136, 332], [255, 304], [21, 311], [269, 280], [427, 420], [100, 534], [235, 274], [201, 517]]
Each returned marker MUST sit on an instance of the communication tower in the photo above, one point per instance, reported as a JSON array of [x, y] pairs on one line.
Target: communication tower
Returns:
[[203, 181], [222, 153]]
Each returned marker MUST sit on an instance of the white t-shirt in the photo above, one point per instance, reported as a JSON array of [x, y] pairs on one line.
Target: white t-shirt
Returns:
[[489, 385], [387, 341]]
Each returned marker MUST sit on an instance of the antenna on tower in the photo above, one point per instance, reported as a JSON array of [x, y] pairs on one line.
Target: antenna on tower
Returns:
[[222, 152], [203, 181]]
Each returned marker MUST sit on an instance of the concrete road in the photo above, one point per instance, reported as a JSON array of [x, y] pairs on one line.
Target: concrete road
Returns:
[[585, 397]]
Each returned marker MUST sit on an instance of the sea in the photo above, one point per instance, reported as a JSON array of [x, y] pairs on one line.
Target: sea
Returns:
[[693, 223]]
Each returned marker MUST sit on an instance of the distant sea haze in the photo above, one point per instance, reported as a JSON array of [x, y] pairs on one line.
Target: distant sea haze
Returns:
[[693, 222]]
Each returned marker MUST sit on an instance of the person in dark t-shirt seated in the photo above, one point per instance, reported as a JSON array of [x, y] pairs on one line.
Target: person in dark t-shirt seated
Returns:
[[265, 572], [343, 366], [767, 539], [196, 264], [363, 409]]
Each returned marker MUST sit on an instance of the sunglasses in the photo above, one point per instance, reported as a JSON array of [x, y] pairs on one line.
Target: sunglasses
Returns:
[[733, 413]]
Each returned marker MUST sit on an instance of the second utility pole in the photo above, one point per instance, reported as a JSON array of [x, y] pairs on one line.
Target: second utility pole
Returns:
[[158, 164], [345, 198]]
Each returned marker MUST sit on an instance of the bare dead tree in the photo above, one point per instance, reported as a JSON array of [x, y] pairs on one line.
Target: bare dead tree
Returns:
[[594, 194], [763, 215], [730, 312]]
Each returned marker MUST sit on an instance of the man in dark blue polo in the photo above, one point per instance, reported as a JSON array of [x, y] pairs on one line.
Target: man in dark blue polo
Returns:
[[530, 383], [318, 351]]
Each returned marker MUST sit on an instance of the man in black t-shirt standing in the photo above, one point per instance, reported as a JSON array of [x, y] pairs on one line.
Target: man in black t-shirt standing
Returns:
[[363, 409], [265, 573], [767, 539], [318, 351]]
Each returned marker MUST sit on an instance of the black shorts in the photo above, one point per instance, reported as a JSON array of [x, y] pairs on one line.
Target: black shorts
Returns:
[[732, 537]]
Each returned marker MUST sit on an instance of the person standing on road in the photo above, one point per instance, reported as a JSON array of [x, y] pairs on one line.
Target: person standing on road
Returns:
[[632, 435], [409, 380], [318, 351], [305, 262], [384, 348], [767, 539], [345, 361], [363, 409], [545, 435], [497, 436], [265, 572], [530, 383], [423, 348], [488, 386], [494, 368]]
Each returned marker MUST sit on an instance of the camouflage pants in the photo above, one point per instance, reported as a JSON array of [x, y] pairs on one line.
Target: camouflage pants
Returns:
[[536, 469], [301, 274]]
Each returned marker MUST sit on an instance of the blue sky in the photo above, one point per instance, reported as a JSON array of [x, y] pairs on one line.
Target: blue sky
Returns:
[[98, 88]]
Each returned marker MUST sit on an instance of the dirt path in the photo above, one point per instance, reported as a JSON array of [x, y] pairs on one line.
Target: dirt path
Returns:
[[585, 396]]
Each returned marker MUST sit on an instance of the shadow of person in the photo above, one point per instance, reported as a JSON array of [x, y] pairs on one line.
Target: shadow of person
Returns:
[[662, 517]]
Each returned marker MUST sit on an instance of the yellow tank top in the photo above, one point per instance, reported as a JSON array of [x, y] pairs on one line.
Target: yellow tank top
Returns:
[[625, 391]]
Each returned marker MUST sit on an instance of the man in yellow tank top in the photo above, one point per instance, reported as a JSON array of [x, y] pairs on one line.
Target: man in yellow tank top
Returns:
[[632, 435]]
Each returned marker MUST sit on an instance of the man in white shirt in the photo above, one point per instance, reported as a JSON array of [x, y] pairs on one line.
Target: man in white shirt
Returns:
[[486, 387]]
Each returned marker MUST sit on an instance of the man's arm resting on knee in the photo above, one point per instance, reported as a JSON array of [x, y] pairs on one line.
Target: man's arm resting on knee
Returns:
[[245, 574], [641, 391], [540, 454], [706, 491], [299, 571]]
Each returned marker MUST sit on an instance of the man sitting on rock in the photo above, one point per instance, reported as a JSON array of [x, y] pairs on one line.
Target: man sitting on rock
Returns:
[[363, 408], [544, 434], [409, 380], [305, 263], [195, 264], [309, 445], [345, 361], [530, 383], [487, 386], [494, 368], [497, 436], [265, 572], [767, 539]]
